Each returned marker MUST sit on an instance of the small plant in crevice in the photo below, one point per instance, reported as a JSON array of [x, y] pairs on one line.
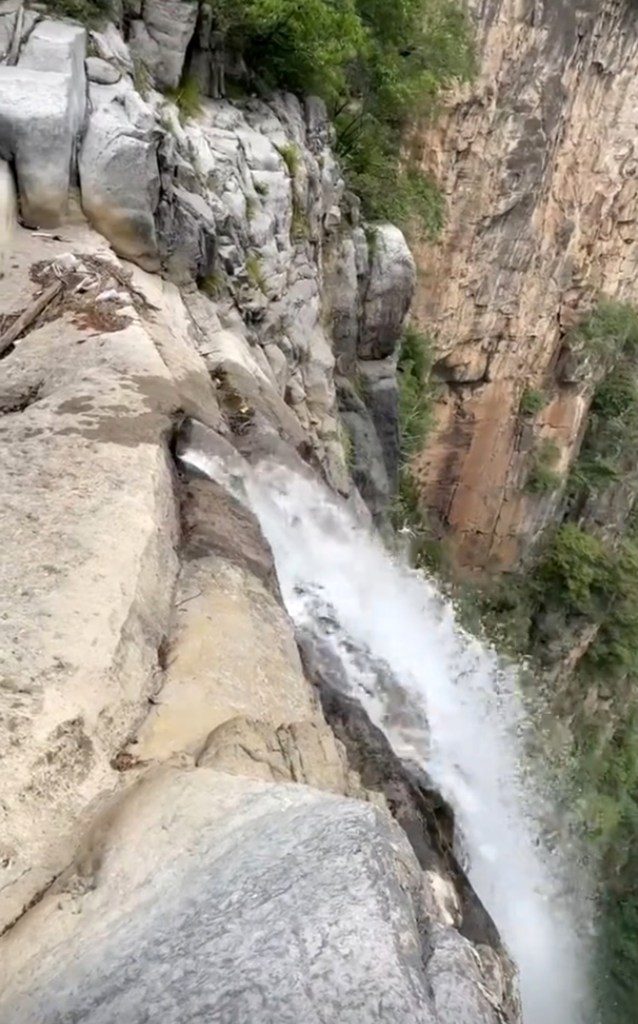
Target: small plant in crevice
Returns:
[[255, 272], [347, 445], [187, 97], [251, 207], [291, 157], [416, 397], [608, 331], [261, 188], [532, 401], [142, 78], [89, 12], [212, 285], [542, 477]]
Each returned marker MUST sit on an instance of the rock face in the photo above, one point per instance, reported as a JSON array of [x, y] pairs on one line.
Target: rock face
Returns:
[[236, 927], [538, 161], [177, 814], [245, 200], [42, 103], [86, 402]]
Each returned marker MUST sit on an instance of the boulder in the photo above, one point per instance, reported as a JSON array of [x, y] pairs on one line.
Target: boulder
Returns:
[[119, 176], [60, 47], [101, 71], [304, 752], [37, 134], [161, 38], [206, 897], [42, 105], [389, 292]]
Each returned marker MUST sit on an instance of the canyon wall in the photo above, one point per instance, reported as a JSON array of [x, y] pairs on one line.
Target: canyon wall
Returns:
[[182, 832], [537, 160]]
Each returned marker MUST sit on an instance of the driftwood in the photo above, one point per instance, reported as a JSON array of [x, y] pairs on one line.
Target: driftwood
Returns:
[[26, 318]]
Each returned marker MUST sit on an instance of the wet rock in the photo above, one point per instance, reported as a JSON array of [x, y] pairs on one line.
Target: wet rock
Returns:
[[391, 283], [367, 462]]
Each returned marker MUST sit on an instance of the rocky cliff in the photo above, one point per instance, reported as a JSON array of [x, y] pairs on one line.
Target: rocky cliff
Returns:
[[181, 829], [537, 161]]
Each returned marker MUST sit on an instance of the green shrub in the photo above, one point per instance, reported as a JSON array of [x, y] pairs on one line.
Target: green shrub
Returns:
[[609, 447], [290, 156], [610, 330], [415, 390], [187, 97], [379, 66], [142, 80], [575, 571], [255, 273], [212, 285], [88, 12], [532, 401], [542, 477]]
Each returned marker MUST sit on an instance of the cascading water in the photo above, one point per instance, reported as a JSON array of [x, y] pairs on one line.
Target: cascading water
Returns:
[[457, 712]]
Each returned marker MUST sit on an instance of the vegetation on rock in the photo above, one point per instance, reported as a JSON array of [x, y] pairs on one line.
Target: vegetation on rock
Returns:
[[542, 477], [376, 65], [416, 394]]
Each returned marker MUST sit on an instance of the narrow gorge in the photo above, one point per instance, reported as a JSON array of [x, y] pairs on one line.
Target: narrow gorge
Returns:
[[318, 401]]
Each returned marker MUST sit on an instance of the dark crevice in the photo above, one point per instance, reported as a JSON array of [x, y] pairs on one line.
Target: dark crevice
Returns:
[[10, 405]]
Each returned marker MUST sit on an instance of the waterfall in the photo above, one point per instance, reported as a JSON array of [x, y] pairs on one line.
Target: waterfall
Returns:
[[451, 706]]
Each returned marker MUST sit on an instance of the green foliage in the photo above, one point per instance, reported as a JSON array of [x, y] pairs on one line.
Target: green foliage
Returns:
[[299, 228], [290, 156], [610, 330], [88, 12], [377, 65], [255, 273], [415, 390], [542, 478], [212, 285], [261, 188], [575, 571], [416, 396], [532, 401], [141, 77], [611, 440], [187, 97]]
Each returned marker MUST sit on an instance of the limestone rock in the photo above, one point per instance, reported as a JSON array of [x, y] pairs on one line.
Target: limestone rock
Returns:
[[88, 521], [303, 752], [101, 71], [56, 46], [230, 647], [368, 465], [378, 380], [42, 102], [162, 37], [119, 176], [208, 896], [391, 283], [538, 160]]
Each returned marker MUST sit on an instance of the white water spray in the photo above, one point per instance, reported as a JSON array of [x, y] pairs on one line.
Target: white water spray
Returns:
[[338, 580]]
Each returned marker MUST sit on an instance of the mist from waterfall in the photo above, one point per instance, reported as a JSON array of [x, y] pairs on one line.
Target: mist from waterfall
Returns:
[[458, 714]]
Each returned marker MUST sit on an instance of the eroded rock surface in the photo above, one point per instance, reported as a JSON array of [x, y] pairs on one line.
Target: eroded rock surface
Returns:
[[538, 161], [177, 815], [228, 899]]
